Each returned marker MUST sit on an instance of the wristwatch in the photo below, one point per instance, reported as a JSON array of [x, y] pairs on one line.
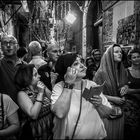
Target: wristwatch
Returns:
[[68, 85]]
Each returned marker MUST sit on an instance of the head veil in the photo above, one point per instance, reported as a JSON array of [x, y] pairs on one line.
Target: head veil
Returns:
[[108, 72]]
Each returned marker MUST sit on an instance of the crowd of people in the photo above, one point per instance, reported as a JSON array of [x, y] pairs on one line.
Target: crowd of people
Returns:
[[48, 96]]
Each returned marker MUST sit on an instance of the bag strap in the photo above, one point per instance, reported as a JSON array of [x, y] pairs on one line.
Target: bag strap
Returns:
[[2, 107], [79, 112]]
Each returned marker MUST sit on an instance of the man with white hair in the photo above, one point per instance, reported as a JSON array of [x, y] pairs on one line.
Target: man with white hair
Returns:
[[47, 71], [9, 46], [35, 50]]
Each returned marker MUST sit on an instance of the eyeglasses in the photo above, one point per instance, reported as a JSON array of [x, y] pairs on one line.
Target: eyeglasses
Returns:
[[11, 43], [56, 51]]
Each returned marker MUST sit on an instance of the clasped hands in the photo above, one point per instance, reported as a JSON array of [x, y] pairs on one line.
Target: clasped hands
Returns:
[[41, 86]]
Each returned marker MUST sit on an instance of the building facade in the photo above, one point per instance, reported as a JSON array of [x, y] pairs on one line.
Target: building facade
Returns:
[[98, 23]]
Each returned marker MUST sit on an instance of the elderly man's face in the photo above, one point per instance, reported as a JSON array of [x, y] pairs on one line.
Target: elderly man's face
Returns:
[[9, 45], [54, 53]]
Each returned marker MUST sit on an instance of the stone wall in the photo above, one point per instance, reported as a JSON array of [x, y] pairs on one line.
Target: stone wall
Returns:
[[128, 29], [136, 7], [107, 23], [107, 3], [107, 27], [137, 13]]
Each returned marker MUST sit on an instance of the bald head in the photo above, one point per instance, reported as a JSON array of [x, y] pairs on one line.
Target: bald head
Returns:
[[35, 48]]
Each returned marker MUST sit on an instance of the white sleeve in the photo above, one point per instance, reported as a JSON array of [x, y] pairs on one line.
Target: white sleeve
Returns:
[[11, 106], [56, 92], [105, 101]]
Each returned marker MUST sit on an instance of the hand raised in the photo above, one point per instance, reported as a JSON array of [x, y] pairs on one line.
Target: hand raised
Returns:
[[53, 77], [70, 75], [40, 87]]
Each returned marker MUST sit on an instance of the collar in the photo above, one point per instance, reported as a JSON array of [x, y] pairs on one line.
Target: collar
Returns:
[[37, 57], [11, 60]]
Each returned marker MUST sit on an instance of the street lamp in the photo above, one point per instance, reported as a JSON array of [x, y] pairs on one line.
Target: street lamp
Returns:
[[70, 19]]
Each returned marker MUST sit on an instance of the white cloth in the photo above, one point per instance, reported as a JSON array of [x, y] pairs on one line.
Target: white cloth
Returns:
[[10, 107], [37, 61], [90, 125]]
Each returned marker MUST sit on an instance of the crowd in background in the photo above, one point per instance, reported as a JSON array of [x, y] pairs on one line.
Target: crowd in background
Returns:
[[45, 94]]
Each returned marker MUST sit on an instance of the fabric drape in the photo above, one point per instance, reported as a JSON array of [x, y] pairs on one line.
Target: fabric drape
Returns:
[[115, 78]]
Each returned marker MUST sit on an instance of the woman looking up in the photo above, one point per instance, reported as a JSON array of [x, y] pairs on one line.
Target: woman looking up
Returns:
[[75, 116], [113, 72]]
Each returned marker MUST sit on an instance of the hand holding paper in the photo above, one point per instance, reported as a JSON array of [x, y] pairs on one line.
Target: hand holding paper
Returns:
[[89, 93]]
